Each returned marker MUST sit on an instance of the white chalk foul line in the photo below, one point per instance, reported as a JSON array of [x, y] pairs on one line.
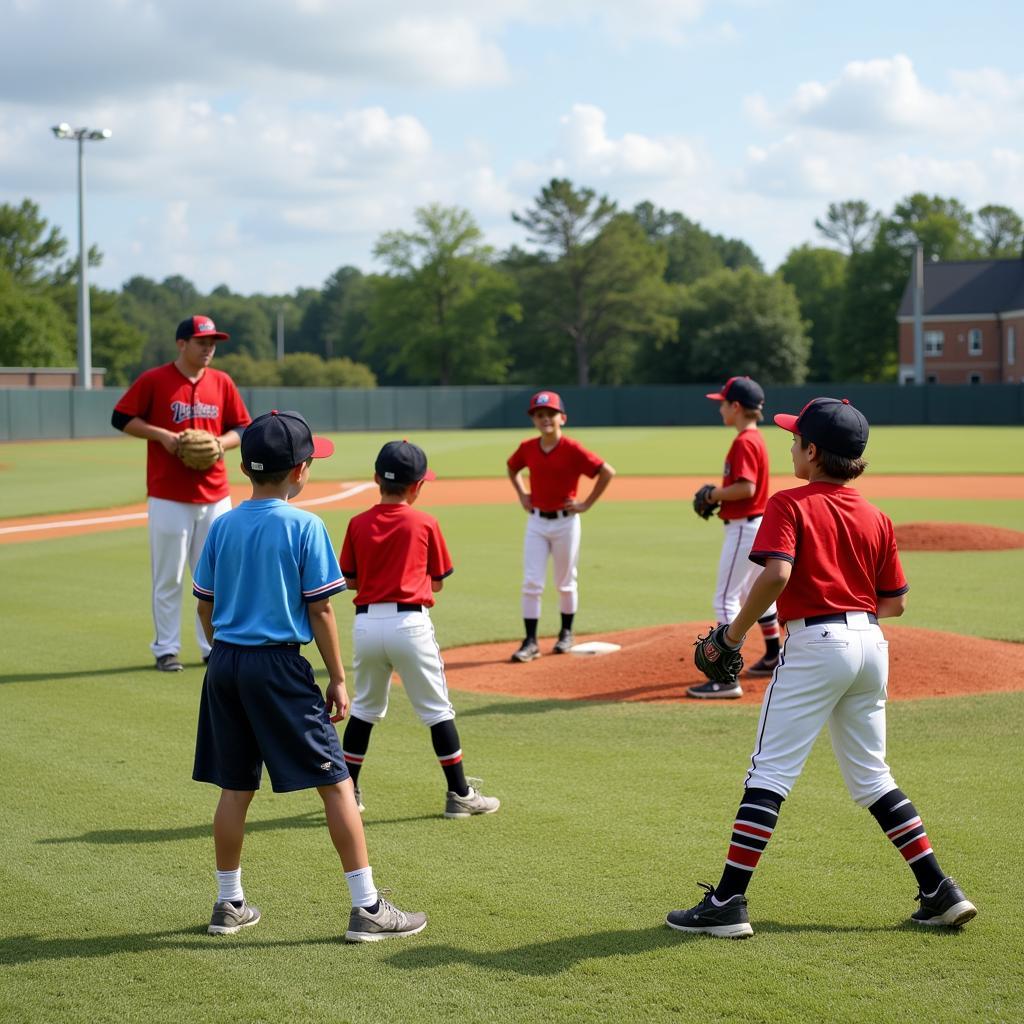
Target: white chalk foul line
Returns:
[[128, 517]]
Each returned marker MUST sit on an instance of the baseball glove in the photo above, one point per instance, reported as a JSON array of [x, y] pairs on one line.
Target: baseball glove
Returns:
[[702, 503], [716, 659], [199, 449]]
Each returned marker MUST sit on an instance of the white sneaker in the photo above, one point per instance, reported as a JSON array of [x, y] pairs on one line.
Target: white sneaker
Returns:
[[474, 802]]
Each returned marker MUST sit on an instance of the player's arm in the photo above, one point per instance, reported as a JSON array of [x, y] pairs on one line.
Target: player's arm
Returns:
[[351, 583], [138, 427], [891, 607], [604, 478], [230, 439], [738, 491], [765, 591], [325, 633], [516, 476], [204, 609]]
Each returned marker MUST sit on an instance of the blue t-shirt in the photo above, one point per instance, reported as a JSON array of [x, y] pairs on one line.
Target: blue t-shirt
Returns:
[[261, 564]]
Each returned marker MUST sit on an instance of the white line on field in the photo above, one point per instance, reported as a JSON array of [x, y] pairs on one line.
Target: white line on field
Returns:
[[127, 517]]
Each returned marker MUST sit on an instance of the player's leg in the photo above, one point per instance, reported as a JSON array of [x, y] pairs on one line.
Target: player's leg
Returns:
[[535, 564], [201, 521], [565, 556], [412, 646], [858, 730], [169, 529]]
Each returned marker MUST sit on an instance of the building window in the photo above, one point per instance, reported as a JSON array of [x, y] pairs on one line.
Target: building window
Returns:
[[933, 343], [932, 378], [974, 378], [1011, 345], [974, 341]]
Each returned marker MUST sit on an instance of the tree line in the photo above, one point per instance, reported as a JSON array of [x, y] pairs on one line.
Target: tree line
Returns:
[[596, 295]]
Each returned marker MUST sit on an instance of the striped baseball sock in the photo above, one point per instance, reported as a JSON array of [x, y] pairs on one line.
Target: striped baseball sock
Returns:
[[445, 738], [900, 821], [753, 827], [354, 745], [771, 632]]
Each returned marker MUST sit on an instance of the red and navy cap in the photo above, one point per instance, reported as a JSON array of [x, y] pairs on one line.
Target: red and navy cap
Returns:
[[546, 400], [199, 327], [740, 389], [403, 462], [832, 424], [281, 440]]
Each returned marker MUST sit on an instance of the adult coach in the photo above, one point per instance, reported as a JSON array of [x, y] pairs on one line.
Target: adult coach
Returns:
[[183, 502]]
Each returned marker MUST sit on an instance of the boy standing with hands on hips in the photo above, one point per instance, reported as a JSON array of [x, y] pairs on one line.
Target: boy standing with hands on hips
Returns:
[[555, 464], [830, 560], [743, 495], [264, 583]]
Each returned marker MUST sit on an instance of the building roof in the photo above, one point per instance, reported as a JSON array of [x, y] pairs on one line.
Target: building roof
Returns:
[[968, 286]]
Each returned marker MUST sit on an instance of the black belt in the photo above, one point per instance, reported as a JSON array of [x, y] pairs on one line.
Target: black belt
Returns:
[[561, 513], [817, 620], [361, 609]]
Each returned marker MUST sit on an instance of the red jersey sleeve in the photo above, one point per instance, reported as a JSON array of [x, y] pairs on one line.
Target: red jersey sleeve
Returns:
[[891, 582], [138, 399], [588, 463], [235, 415], [778, 533], [743, 462], [517, 460], [439, 562], [347, 558]]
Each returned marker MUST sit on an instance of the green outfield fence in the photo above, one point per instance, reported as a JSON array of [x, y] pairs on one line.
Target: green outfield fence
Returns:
[[28, 414]]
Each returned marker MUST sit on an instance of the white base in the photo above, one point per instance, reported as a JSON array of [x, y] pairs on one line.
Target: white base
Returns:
[[595, 647]]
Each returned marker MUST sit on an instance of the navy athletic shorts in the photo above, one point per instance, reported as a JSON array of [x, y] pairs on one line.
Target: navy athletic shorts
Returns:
[[262, 705]]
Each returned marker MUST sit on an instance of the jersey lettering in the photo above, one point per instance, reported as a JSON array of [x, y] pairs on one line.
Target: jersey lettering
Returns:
[[182, 411]]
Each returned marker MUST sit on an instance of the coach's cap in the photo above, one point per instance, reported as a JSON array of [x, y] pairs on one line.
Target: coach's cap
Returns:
[[740, 389], [403, 462], [281, 440], [199, 327], [832, 424], [546, 400]]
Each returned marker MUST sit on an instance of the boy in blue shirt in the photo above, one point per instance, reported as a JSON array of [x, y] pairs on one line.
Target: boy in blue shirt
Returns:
[[264, 583]]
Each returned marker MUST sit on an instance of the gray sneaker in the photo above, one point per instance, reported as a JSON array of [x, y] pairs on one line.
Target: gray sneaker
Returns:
[[474, 802], [169, 663], [564, 643], [528, 651], [388, 923], [228, 919], [360, 806], [947, 906]]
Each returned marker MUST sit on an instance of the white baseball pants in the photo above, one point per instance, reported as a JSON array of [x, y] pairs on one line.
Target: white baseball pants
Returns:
[[736, 572], [559, 539], [385, 640], [837, 673], [177, 533]]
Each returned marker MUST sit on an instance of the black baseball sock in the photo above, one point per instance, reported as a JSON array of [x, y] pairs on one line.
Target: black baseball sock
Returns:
[[567, 621], [753, 827], [900, 821], [354, 744], [445, 738], [531, 629]]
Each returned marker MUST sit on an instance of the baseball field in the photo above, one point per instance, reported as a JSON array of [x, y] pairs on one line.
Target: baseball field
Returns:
[[613, 806]]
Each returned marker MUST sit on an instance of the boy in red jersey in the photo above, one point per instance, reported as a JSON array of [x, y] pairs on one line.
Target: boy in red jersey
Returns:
[[830, 560], [743, 494], [555, 464], [396, 558]]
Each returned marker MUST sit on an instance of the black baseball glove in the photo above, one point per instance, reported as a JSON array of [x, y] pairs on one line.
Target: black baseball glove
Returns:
[[702, 503], [716, 659]]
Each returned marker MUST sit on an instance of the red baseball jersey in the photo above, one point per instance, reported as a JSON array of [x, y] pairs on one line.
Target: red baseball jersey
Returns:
[[747, 459], [842, 548], [554, 475], [393, 551], [165, 397]]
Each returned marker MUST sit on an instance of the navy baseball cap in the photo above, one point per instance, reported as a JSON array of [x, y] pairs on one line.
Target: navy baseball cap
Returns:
[[199, 327], [281, 440], [547, 400], [403, 462], [740, 389], [832, 424]]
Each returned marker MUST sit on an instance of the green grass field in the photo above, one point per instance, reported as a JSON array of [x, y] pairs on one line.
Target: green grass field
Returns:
[[551, 910]]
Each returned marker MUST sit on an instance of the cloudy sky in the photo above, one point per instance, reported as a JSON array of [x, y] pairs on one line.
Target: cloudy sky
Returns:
[[264, 144]]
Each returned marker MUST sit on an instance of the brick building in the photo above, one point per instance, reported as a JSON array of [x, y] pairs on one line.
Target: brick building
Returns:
[[973, 323]]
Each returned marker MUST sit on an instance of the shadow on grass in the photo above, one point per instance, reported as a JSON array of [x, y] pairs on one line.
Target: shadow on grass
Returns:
[[121, 836], [524, 707], [94, 673]]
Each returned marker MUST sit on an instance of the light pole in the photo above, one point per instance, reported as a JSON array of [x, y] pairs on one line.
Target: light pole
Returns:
[[65, 131]]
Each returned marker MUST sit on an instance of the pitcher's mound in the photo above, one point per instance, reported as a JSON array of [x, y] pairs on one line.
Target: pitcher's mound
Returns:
[[956, 537], [656, 664]]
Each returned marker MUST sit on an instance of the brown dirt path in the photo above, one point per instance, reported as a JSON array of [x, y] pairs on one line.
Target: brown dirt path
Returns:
[[332, 494], [656, 665]]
